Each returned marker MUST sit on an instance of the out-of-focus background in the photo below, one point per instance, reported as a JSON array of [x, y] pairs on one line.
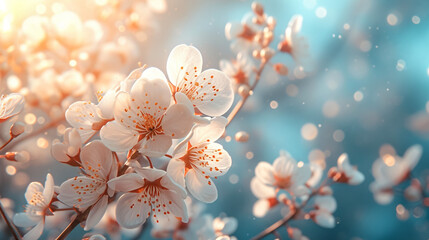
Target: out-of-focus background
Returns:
[[368, 86]]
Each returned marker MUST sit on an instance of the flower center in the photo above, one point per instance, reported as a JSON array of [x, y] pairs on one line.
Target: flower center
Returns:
[[283, 182], [149, 126]]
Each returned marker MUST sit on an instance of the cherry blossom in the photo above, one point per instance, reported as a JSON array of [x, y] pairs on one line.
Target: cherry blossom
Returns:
[[10, 105], [91, 189], [194, 165], [243, 35], [39, 199], [267, 197], [284, 174], [389, 171], [345, 172], [293, 43], [68, 151], [239, 70], [149, 192], [209, 91], [144, 118]]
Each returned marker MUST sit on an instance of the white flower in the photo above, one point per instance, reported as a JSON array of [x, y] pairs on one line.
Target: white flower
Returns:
[[91, 189], [209, 91], [239, 70], [144, 118], [10, 105], [389, 171], [39, 199], [243, 35], [345, 172], [316, 174], [324, 207], [149, 192], [284, 174], [266, 195], [293, 43], [194, 166], [68, 151]]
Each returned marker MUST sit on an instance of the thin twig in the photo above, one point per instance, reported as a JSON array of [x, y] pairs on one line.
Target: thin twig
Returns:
[[243, 100], [79, 218], [6, 143], [35, 133], [10, 224]]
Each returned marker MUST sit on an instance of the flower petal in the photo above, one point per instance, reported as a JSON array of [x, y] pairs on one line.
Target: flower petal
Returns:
[[81, 192], [24, 220], [127, 182], [157, 146], [150, 174], [211, 92], [200, 187], [212, 159], [97, 160], [82, 115], [35, 232], [117, 137], [11, 105], [168, 182], [48, 192], [183, 61], [210, 132], [33, 188], [284, 165], [265, 173], [177, 121], [176, 170], [301, 175], [96, 213], [130, 212], [261, 207], [261, 190]]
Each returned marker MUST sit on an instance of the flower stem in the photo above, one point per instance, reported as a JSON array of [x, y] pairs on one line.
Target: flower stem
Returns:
[[6, 143], [37, 132], [79, 218], [243, 100], [10, 224]]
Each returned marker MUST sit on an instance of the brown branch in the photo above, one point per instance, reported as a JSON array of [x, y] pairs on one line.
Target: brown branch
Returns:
[[10, 224], [79, 218]]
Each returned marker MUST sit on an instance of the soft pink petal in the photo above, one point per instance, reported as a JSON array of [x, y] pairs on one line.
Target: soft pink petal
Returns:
[[117, 137], [184, 62], [33, 188], [82, 115], [97, 160], [81, 192], [210, 132], [178, 121], [261, 190], [157, 146], [168, 182], [48, 192], [176, 170], [200, 187], [150, 174], [284, 165], [265, 172], [35, 232], [260, 208], [211, 158], [301, 175], [127, 182], [213, 94], [96, 213], [130, 212], [24, 220]]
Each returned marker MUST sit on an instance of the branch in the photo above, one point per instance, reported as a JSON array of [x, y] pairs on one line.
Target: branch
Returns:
[[10, 224], [79, 218]]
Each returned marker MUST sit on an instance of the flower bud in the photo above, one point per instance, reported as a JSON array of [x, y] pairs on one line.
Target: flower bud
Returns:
[[17, 129], [257, 8], [242, 136], [244, 90], [267, 53], [18, 156], [281, 69]]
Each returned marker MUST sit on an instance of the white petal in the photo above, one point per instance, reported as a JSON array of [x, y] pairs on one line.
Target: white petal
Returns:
[[265, 172], [75, 193], [48, 192], [128, 83], [284, 165], [383, 197], [357, 178], [212, 159], [11, 105], [96, 213], [35, 232], [130, 212], [97, 160], [261, 190], [117, 137], [178, 121], [327, 203], [200, 187], [152, 94], [261, 207], [150, 174], [176, 170], [210, 132], [214, 94], [24, 220], [168, 182], [107, 104], [82, 115], [33, 188], [324, 219], [157, 146], [183, 59], [153, 73], [176, 204], [127, 182], [301, 175], [413, 155], [59, 152]]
